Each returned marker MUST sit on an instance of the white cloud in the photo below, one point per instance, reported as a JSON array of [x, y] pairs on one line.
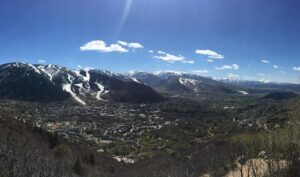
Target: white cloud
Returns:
[[79, 66], [232, 76], [133, 45], [224, 67], [210, 61], [235, 66], [265, 61], [168, 57], [150, 51], [296, 68], [101, 46], [261, 74], [275, 66], [169, 71], [41, 61], [188, 61], [209, 54], [228, 67], [200, 71]]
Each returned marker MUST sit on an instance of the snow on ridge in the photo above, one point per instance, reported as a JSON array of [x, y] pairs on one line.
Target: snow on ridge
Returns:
[[35, 69], [50, 70], [50, 75], [132, 73], [22, 64], [18, 64]]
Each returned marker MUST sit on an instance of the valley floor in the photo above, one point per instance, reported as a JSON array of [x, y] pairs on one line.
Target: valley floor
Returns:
[[179, 137]]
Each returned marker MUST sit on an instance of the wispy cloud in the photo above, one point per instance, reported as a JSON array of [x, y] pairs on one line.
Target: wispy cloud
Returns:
[[275, 66], [209, 53], [133, 45], [228, 67], [168, 57], [265, 61], [42, 61], [150, 51], [101, 46], [261, 74], [188, 61], [210, 61], [200, 71]]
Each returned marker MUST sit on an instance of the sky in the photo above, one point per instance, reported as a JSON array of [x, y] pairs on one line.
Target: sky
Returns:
[[234, 39]]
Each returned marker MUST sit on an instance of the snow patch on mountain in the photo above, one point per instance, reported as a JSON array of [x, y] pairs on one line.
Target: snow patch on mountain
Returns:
[[35, 69], [81, 85], [46, 72], [135, 80], [80, 88], [87, 76], [100, 92], [68, 88], [187, 82], [243, 92], [50, 70]]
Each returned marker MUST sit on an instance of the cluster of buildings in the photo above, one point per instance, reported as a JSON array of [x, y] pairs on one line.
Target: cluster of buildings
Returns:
[[100, 124]]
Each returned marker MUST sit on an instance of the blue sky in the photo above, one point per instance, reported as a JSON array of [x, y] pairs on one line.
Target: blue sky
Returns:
[[248, 39]]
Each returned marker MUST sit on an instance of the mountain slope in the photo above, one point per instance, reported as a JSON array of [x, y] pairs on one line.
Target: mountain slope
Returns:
[[55, 83], [264, 86], [281, 95], [24, 82], [180, 83], [184, 84]]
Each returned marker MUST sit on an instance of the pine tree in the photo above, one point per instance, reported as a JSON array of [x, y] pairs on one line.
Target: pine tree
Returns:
[[78, 167]]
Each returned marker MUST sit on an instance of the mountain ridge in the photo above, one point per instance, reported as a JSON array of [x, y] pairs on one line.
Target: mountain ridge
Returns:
[[37, 82], [83, 86]]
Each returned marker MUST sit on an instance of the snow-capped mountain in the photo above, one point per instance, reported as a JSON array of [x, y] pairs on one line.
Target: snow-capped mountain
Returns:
[[263, 85], [181, 83], [46, 83], [54, 83]]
